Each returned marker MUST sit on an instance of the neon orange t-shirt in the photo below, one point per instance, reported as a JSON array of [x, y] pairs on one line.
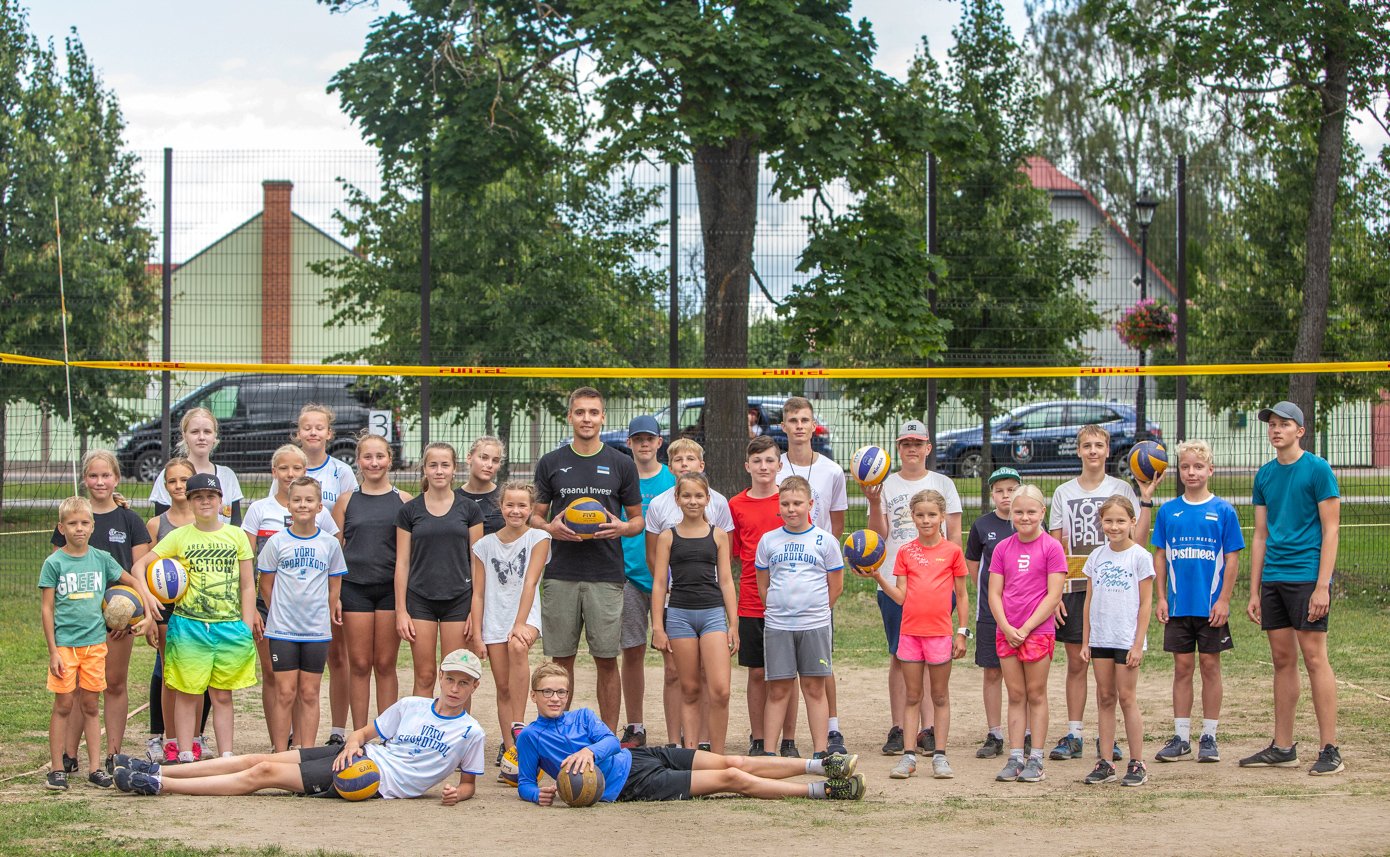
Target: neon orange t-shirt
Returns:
[[931, 578]]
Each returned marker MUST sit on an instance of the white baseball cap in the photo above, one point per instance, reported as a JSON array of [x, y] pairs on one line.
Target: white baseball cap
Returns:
[[914, 428], [462, 661]]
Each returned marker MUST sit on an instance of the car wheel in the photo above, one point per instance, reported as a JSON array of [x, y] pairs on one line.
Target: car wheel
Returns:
[[345, 454], [148, 465], [1120, 467], [968, 466]]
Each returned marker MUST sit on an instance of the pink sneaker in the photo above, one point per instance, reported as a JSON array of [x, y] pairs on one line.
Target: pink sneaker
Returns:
[[171, 752], [197, 751]]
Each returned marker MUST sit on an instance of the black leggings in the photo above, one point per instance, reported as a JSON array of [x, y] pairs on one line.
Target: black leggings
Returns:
[[157, 707]]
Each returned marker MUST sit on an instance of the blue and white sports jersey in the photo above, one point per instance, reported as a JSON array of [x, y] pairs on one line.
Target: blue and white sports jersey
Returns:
[[1195, 538], [336, 478], [422, 748], [798, 592], [266, 517], [299, 599]]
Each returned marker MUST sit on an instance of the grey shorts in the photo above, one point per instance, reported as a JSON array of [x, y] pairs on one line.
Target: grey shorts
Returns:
[[788, 654], [682, 624], [569, 605], [637, 611]]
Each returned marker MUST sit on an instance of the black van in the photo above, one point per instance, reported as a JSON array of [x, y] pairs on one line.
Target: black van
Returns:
[[256, 415]]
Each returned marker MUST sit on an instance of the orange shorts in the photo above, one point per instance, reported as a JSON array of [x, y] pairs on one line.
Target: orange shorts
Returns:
[[82, 665], [1036, 647]]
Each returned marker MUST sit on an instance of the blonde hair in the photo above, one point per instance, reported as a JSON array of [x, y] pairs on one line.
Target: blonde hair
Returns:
[[487, 440], [795, 483], [73, 504], [424, 456], [366, 435], [684, 445], [107, 457], [315, 408], [549, 669], [1030, 492], [698, 478], [517, 485], [1092, 430], [1118, 500], [928, 495], [288, 449], [181, 448], [307, 481], [1200, 448], [180, 461]]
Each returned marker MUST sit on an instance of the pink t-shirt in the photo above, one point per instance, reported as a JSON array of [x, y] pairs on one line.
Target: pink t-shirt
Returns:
[[1024, 567]]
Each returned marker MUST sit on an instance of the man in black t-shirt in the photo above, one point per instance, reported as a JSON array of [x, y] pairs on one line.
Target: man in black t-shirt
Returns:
[[584, 577]]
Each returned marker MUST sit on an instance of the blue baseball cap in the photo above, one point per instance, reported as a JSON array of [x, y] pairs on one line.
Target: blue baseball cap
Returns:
[[644, 424]]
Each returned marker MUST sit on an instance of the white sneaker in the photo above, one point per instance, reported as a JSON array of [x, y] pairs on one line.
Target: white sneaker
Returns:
[[154, 748], [940, 768], [202, 743], [906, 767]]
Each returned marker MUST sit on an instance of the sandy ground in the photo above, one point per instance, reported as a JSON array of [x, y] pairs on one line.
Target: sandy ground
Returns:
[[1186, 808]]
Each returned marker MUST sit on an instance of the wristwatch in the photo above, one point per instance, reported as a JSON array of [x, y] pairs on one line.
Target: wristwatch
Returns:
[[966, 632], [1144, 505]]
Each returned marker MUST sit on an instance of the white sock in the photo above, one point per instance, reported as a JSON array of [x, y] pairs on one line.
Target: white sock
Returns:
[[339, 730], [185, 755], [816, 791], [1208, 727], [1037, 754], [638, 727], [834, 724], [1074, 730], [1016, 753], [1183, 726], [228, 754], [996, 732], [815, 766], [516, 724]]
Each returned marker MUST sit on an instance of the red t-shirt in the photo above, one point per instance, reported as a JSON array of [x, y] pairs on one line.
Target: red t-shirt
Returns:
[[931, 578], [752, 520]]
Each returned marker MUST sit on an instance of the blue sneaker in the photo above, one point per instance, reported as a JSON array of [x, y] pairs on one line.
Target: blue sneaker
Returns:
[[1207, 750], [1116, 756], [121, 760], [135, 782], [835, 743], [1069, 747]]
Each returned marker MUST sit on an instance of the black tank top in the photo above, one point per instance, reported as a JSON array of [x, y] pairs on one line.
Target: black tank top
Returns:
[[369, 537], [695, 573]]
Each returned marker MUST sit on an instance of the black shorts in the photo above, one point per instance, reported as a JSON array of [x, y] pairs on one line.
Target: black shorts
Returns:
[[439, 609], [316, 769], [658, 773], [367, 597], [1119, 656], [1069, 630], [1284, 604], [986, 653], [1184, 635], [290, 655], [750, 642], [263, 609]]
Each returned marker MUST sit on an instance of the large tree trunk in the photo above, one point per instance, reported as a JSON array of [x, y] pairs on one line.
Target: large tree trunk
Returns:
[[1317, 276], [504, 434], [726, 182]]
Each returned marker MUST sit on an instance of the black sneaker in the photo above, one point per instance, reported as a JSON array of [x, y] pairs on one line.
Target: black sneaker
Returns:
[[788, 749], [57, 781], [992, 747], [926, 741], [69, 764], [1273, 757], [1175, 750], [1103, 772], [1068, 747], [1136, 775], [335, 740], [110, 766], [1329, 762], [500, 750], [835, 743], [705, 747], [100, 779], [1027, 744], [632, 738], [755, 747], [137, 783], [895, 745]]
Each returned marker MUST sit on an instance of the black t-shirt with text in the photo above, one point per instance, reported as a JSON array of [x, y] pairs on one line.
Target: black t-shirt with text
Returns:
[[985, 535], [607, 476], [490, 505], [117, 532], [441, 567]]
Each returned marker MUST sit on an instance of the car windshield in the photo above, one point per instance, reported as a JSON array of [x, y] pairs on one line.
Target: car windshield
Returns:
[[663, 418]]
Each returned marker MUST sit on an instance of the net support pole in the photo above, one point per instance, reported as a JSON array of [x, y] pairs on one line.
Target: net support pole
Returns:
[[166, 329], [931, 300], [675, 321], [424, 304], [1182, 298]]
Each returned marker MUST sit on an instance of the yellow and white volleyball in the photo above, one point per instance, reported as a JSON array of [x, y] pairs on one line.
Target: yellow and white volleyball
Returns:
[[121, 607], [870, 465]]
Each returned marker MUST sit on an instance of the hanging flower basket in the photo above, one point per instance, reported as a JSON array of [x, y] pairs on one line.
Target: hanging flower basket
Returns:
[[1147, 326]]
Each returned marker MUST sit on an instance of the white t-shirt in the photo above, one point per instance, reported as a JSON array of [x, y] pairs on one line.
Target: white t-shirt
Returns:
[[299, 599], [231, 491], [897, 509], [663, 513], [422, 748], [1076, 512], [336, 478], [504, 568], [798, 593], [1115, 580], [266, 517], [828, 492]]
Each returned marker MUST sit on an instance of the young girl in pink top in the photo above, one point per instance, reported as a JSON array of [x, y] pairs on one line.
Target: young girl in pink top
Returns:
[[1025, 585]]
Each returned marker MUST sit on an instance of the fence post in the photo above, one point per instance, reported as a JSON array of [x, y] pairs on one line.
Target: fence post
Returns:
[[166, 308], [424, 303], [673, 413], [1182, 298], [931, 301]]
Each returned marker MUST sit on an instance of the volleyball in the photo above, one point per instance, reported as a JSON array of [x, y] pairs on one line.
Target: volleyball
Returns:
[[584, 789], [584, 516], [865, 550], [1147, 461], [870, 465], [121, 607], [358, 781], [511, 771], [168, 580]]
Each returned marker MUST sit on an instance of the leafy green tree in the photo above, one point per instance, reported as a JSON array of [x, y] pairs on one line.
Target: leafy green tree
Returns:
[[60, 140], [1337, 51]]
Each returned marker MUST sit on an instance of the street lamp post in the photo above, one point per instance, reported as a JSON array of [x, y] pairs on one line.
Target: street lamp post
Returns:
[[1144, 207]]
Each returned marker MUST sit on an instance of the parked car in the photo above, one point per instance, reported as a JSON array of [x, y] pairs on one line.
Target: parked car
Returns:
[[256, 414], [692, 425], [1042, 438]]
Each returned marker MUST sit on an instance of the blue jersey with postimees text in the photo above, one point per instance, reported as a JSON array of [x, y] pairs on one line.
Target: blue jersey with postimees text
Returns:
[[1195, 538]]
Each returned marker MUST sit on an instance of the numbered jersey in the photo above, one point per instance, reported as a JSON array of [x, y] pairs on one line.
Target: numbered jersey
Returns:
[[798, 589]]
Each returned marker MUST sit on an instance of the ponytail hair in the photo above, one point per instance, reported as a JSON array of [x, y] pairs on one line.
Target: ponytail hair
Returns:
[[107, 457]]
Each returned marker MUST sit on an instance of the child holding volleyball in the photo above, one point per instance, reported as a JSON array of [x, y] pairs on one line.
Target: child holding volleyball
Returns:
[[928, 571], [1025, 585], [1114, 636]]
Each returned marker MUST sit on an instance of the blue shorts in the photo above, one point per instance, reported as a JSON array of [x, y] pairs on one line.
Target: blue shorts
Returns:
[[892, 613], [682, 624]]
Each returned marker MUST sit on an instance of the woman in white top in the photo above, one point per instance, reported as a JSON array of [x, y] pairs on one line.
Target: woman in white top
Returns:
[[197, 440]]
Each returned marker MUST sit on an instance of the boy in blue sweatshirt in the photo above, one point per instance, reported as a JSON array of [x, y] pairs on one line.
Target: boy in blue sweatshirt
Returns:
[[577, 741]]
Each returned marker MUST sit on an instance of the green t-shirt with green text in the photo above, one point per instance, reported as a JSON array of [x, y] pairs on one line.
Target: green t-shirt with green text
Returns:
[[79, 586]]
